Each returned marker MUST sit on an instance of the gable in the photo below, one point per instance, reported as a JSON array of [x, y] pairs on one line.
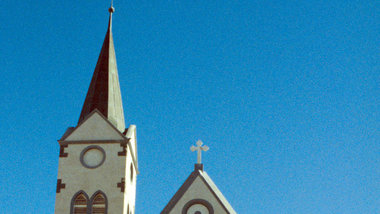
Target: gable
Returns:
[[94, 127], [217, 193], [199, 193]]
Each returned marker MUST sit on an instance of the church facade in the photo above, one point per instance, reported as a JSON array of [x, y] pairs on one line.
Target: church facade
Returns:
[[98, 164]]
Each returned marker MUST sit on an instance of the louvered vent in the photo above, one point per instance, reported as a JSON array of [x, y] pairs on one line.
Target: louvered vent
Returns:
[[80, 204], [99, 204]]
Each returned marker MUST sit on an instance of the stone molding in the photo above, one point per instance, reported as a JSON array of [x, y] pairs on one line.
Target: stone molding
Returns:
[[88, 148], [198, 201]]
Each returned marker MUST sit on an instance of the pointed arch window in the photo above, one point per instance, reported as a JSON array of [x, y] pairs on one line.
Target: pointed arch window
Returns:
[[99, 203], [131, 172], [79, 204]]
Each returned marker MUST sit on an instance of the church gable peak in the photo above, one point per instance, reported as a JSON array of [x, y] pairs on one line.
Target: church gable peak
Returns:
[[197, 193], [94, 127]]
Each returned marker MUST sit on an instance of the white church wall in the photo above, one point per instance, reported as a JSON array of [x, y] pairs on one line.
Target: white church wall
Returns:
[[130, 184], [131, 133], [76, 177]]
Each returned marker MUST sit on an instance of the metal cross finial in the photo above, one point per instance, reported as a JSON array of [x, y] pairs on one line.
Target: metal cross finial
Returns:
[[199, 148]]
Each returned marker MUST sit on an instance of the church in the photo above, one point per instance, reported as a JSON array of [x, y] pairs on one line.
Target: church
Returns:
[[98, 158]]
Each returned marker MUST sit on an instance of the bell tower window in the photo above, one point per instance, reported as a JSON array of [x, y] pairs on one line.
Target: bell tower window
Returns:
[[79, 203], [99, 203]]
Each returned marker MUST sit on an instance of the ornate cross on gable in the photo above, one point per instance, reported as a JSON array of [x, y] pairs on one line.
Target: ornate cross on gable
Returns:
[[199, 148]]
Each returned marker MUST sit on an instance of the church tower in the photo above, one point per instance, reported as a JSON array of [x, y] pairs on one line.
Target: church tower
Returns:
[[98, 158]]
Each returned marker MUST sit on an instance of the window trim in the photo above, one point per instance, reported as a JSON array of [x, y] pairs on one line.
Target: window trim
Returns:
[[89, 201], [198, 201], [93, 197], [88, 148], [75, 196]]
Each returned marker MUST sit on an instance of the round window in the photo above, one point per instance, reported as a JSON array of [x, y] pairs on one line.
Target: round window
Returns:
[[198, 206], [92, 157], [197, 209]]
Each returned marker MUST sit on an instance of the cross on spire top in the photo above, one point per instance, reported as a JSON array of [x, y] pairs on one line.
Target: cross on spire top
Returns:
[[199, 148]]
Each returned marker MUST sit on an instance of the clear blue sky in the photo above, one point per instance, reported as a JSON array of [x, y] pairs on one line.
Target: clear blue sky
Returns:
[[285, 93]]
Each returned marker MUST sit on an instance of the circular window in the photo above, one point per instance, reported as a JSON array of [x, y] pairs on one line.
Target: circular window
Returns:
[[197, 209], [92, 157], [198, 206]]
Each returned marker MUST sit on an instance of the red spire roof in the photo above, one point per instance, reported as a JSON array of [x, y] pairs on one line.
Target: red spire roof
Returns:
[[104, 91]]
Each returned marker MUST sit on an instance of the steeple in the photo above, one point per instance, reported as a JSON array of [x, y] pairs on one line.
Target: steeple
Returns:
[[104, 91], [98, 167]]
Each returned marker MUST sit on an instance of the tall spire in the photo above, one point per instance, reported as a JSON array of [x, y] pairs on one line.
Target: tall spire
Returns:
[[104, 91]]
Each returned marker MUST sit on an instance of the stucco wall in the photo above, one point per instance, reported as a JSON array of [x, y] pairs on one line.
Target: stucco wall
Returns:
[[76, 177]]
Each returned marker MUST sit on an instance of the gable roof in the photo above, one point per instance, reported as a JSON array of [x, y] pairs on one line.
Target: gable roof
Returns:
[[97, 134], [209, 183], [100, 130]]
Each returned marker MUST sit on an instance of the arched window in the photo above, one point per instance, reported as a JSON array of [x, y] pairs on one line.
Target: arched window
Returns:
[[131, 172], [99, 203], [79, 203]]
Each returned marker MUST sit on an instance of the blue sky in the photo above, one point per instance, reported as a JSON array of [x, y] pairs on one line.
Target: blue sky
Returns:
[[285, 94]]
